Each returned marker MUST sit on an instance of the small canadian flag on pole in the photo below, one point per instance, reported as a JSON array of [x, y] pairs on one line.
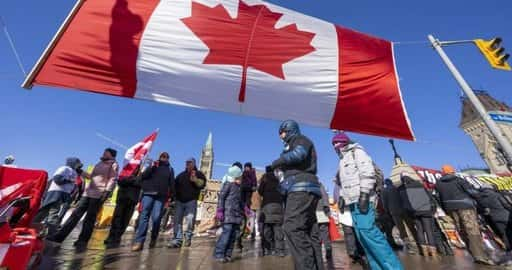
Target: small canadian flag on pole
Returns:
[[136, 154]]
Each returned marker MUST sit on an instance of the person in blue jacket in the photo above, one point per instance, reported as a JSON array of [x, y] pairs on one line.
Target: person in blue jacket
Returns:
[[300, 186]]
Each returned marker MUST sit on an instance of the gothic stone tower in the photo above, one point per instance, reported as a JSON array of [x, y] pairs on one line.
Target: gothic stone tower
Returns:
[[206, 163], [486, 144]]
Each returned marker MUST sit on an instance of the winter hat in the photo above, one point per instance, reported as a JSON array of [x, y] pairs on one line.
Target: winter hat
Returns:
[[268, 169], [112, 152], [238, 164], [447, 169], [291, 128], [9, 160], [233, 173], [388, 182], [193, 160], [74, 163], [248, 164], [340, 140]]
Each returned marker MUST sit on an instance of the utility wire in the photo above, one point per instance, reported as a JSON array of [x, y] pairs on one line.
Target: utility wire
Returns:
[[11, 43], [417, 42], [112, 141]]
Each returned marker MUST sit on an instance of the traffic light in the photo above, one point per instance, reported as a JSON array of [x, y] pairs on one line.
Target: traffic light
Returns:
[[494, 53]]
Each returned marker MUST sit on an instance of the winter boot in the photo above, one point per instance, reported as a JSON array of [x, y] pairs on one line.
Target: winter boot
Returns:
[[328, 254], [424, 250], [433, 252], [137, 247], [152, 243], [412, 249]]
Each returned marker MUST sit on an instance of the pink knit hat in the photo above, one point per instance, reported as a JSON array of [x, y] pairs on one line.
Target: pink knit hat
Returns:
[[340, 140]]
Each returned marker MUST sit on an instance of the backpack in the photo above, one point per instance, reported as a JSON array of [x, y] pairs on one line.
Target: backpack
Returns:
[[379, 175]]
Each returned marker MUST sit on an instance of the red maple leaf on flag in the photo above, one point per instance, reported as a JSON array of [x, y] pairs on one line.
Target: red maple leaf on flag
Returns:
[[249, 40]]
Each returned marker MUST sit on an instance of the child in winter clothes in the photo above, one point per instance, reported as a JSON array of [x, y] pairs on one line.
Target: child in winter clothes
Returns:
[[230, 211]]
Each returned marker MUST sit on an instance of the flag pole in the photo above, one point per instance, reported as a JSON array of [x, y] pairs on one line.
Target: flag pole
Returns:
[[28, 82]]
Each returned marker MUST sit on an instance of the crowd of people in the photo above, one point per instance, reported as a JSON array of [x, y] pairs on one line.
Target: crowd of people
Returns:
[[295, 210]]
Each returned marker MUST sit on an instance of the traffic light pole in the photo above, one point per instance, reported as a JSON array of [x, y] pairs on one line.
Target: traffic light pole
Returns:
[[493, 127]]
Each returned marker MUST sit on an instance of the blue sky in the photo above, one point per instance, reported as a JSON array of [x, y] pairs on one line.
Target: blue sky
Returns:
[[44, 126]]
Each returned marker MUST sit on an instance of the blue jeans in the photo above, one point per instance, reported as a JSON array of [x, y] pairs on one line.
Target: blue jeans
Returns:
[[226, 241], [151, 205], [185, 211], [378, 252]]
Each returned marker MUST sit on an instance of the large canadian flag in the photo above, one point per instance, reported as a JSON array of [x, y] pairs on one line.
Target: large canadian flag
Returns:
[[240, 56]]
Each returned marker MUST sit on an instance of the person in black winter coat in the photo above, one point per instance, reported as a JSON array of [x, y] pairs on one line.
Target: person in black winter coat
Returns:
[[157, 183], [188, 186], [455, 196], [272, 214], [498, 210], [393, 205], [127, 198], [419, 204]]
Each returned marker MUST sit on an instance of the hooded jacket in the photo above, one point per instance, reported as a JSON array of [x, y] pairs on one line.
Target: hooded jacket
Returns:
[[416, 200], [356, 173], [230, 199], [453, 193], [272, 205], [298, 161], [62, 183]]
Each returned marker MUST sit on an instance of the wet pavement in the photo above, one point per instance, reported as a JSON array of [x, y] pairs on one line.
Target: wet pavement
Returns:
[[199, 256]]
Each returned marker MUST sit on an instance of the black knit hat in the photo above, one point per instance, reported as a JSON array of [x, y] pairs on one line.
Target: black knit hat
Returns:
[[248, 164], [238, 164], [112, 152]]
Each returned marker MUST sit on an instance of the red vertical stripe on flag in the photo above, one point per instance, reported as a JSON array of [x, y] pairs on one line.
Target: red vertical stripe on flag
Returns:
[[369, 99], [98, 51]]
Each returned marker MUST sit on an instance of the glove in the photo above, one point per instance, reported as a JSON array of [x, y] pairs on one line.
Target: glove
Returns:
[[219, 215], [327, 211], [341, 205], [364, 201], [247, 211]]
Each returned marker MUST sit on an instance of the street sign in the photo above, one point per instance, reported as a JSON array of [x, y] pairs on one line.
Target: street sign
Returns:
[[501, 117]]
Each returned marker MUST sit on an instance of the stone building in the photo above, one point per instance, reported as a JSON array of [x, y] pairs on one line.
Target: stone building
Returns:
[[206, 162], [474, 127]]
